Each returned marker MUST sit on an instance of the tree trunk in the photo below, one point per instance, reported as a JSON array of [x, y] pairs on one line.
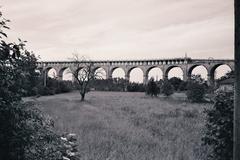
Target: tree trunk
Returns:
[[82, 96]]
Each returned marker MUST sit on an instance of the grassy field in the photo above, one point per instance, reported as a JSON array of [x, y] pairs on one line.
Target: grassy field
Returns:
[[130, 126]]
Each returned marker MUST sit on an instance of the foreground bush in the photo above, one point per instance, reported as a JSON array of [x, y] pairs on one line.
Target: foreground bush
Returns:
[[26, 133], [219, 124]]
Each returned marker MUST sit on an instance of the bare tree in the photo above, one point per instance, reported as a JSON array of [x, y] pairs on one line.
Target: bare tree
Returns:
[[84, 74]]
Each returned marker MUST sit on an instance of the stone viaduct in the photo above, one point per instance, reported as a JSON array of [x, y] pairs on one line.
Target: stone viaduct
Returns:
[[186, 64]]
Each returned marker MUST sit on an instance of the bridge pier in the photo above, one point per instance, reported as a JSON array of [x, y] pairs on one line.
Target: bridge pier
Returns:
[[210, 80], [145, 79], [127, 77]]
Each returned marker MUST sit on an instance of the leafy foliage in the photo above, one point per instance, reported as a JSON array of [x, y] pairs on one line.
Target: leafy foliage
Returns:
[[135, 87], [183, 86], [167, 89], [196, 89], [25, 133], [219, 124], [152, 88], [176, 82], [114, 84], [195, 92]]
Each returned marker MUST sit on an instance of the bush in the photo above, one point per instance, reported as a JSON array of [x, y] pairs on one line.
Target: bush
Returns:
[[182, 86], [115, 84], [27, 134], [219, 124], [176, 82], [135, 87], [152, 88], [195, 92], [167, 89]]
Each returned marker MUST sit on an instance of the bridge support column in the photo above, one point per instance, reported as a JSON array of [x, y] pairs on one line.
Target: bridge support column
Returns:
[[185, 77], [127, 77], [108, 74], [145, 79], [165, 77], [59, 77], [44, 76], [210, 80]]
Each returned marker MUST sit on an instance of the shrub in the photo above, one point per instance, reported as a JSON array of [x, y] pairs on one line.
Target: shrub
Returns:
[[175, 81], [195, 92], [219, 124], [135, 87], [152, 89], [167, 89], [65, 86], [182, 86], [114, 84], [27, 134]]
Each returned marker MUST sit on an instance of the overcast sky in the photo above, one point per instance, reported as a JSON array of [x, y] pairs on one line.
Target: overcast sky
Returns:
[[123, 29]]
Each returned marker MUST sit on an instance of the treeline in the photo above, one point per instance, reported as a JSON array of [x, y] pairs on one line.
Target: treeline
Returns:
[[116, 84], [54, 86]]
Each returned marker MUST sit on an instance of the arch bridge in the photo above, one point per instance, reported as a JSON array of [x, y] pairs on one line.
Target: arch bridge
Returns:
[[186, 64]]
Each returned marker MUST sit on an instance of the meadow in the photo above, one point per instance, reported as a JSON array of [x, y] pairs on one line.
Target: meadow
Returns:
[[130, 126]]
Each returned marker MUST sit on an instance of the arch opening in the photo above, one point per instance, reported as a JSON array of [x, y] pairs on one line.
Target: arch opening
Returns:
[[136, 75], [200, 70], [118, 73], [67, 74], [51, 73], [220, 71], [100, 73], [175, 72], [155, 73]]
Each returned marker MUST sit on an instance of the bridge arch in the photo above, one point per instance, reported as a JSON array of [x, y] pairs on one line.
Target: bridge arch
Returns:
[[118, 72], [138, 76], [100, 73], [154, 72], [175, 69], [51, 72], [226, 68], [65, 74], [199, 69]]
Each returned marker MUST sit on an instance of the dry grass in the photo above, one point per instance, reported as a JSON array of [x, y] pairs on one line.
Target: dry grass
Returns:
[[130, 126]]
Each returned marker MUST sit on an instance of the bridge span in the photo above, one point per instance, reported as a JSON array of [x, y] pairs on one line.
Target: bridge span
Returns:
[[186, 64]]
